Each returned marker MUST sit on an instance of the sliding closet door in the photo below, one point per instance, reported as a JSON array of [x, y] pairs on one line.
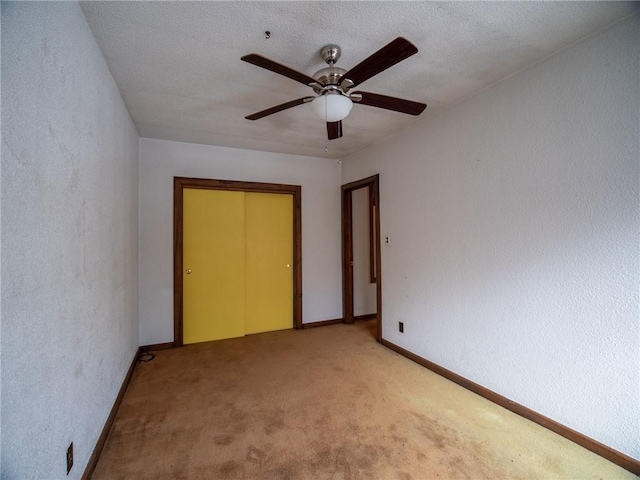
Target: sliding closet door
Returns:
[[268, 262], [213, 259]]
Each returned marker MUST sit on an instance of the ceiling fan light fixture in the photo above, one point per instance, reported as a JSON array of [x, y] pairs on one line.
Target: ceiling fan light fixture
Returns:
[[332, 107]]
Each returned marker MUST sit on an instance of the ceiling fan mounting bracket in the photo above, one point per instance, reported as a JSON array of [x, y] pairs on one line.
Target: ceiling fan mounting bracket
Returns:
[[330, 53]]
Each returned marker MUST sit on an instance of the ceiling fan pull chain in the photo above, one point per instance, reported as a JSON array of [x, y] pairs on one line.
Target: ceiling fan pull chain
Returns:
[[325, 110], [326, 139]]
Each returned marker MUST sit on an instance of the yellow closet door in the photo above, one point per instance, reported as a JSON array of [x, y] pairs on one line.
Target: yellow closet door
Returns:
[[268, 262], [213, 259]]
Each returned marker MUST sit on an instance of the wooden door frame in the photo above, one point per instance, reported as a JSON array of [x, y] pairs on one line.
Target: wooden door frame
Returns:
[[373, 183], [179, 184]]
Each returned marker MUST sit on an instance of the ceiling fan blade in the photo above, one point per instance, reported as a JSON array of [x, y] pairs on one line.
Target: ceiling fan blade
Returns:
[[276, 67], [386, 57], [278, 108], [334, 130], [390, 103]]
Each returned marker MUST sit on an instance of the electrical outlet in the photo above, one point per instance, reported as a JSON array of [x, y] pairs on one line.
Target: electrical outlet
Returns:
[[387, 240], [69, 458], [401, 327]]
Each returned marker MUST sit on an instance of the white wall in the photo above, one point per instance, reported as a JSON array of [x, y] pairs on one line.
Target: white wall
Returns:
[[69, 240], [161, 161], [514, 219], [364, 292]]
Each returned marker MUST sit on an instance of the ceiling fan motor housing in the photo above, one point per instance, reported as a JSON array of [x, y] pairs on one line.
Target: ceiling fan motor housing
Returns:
[[330, 75]]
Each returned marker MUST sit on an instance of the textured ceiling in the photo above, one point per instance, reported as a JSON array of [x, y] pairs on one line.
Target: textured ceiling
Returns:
[[177, 64]]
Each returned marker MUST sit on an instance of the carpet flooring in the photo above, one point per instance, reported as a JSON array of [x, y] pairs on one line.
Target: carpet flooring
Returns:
[[323, 403]]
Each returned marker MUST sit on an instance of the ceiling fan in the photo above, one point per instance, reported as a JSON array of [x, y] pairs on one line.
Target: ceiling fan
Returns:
[[333, 100]]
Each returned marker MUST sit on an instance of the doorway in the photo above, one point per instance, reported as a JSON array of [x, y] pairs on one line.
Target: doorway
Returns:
[[211, 202], [373, 268]]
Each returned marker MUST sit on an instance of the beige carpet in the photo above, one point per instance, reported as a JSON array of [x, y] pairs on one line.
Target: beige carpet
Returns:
[[324, 403]]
